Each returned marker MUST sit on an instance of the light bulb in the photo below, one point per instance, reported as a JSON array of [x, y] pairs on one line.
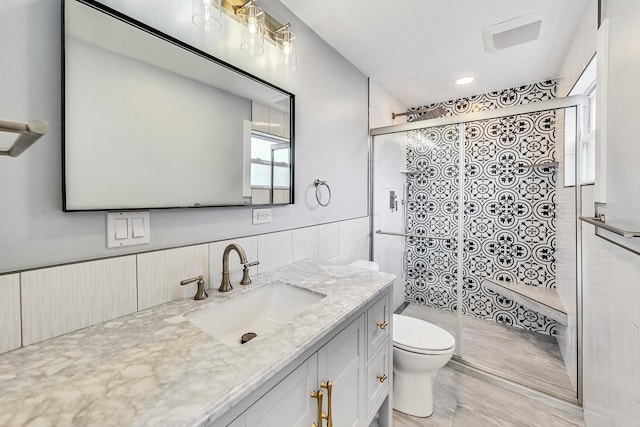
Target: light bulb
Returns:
[[207, 16], [285, 39], [253, 30]]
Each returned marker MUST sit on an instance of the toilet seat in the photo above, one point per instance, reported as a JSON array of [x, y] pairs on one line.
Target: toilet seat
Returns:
[[418, 336]]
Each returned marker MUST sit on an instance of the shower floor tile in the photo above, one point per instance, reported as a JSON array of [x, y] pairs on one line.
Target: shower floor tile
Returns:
[[521, 356], [463, 401]]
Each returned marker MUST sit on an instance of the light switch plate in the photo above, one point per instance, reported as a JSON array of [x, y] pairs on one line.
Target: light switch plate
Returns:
[[134, 223], [261, 216]]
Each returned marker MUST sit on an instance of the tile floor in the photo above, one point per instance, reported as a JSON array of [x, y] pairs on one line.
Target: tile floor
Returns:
[[528, 358], [463, 401]]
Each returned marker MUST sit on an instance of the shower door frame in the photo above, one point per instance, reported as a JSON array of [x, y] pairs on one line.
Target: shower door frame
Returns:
[[461, 120]]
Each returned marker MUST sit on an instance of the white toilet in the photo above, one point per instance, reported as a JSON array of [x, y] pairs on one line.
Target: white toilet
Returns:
[[420, 349]]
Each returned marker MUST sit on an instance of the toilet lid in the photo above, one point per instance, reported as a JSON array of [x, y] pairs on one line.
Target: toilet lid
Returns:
[[419, 336]]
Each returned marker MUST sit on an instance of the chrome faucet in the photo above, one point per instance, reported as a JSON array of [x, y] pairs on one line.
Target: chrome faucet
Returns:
[[225, 286]]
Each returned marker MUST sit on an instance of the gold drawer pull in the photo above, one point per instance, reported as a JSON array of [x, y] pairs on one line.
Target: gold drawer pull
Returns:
[[329, 386], [381, 378], [317, 394], [382, 325]]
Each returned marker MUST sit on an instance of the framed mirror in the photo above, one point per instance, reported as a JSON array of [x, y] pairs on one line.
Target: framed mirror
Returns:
[[151, 122]]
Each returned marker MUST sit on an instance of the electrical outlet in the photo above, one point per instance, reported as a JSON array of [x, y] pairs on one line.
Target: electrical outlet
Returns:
[[261, 216]]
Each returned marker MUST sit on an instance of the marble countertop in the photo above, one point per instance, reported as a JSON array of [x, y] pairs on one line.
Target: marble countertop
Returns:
[[154, 367]]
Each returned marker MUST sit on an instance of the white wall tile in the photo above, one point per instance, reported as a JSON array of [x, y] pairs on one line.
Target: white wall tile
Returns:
[[62, 299], [362, 252], [10, 338], [305, 243], [625, 397], [216, 250], [347, 247], [362, 231], [334, 260], [597, 339], [380, 100], [329, 241], [625, 288], [388, 254], [160, 273], [275, 250]]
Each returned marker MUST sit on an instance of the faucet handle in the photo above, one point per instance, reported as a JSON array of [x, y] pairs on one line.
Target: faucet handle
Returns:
[[201, 293], [246, 280]]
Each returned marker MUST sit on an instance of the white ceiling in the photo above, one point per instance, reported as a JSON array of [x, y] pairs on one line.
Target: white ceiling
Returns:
[[415, 49]]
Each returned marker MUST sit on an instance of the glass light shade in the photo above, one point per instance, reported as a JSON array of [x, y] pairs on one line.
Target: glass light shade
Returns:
[[206, 14], [252, 30], [286, 41]]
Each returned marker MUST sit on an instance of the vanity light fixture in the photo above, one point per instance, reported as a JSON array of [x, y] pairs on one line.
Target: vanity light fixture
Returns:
[[252, 29], [464, 80], [257, 25], [286, 40], [207, 14]]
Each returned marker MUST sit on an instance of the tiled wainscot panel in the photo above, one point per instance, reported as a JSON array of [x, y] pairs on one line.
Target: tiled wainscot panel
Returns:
[[160, 274], [9, 312], [275, 250], [62, 299], [305, 243], [347, 248], [329, 241]]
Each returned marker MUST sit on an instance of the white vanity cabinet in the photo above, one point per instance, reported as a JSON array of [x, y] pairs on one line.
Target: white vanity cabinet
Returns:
[[347, 363]]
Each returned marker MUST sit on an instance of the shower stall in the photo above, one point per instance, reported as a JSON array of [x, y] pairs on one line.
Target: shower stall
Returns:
[[471, 212]]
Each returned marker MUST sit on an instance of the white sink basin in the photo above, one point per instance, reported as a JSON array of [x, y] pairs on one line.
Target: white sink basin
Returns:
[[254, 311]]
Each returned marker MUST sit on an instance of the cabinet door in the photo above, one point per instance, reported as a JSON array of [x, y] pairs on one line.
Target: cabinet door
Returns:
[[289, 403], [342, 361], [377, 325], [378, 378]]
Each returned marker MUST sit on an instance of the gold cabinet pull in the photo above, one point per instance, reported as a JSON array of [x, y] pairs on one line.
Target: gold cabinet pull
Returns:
[[317, 394], [382, 325], [329, 386], [382, 378]]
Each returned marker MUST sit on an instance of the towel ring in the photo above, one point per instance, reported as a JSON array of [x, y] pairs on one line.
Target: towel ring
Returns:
[[319, 184]]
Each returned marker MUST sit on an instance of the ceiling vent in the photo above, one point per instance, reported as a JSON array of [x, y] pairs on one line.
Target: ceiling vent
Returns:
[[517, 31]]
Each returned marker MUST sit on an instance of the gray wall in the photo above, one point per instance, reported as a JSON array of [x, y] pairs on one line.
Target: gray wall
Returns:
[[331, 136]]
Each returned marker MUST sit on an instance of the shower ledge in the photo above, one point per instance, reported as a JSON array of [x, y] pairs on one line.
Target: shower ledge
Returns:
[[543, 300]]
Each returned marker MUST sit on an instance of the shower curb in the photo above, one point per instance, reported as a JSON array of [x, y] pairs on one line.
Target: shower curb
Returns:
[[562, 403]]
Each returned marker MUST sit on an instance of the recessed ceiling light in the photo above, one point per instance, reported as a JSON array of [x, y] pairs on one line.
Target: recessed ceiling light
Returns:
[[464, 80]]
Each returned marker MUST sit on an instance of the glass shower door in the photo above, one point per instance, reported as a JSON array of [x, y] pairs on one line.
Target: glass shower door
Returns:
[[477, 223], [517, 212], [416, 220]]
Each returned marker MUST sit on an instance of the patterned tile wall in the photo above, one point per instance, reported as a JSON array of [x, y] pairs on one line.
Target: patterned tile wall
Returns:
[[509, 209]]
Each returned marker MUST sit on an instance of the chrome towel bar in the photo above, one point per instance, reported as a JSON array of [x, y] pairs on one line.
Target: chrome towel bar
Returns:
[[598, 221], [419, 236], [29, 133]]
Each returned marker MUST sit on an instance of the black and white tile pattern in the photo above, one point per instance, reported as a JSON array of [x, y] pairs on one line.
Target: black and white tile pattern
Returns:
[[509, 210]]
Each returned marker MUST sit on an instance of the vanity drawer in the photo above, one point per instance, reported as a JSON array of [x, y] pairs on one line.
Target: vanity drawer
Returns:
[[378, 378], [378, 325]]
